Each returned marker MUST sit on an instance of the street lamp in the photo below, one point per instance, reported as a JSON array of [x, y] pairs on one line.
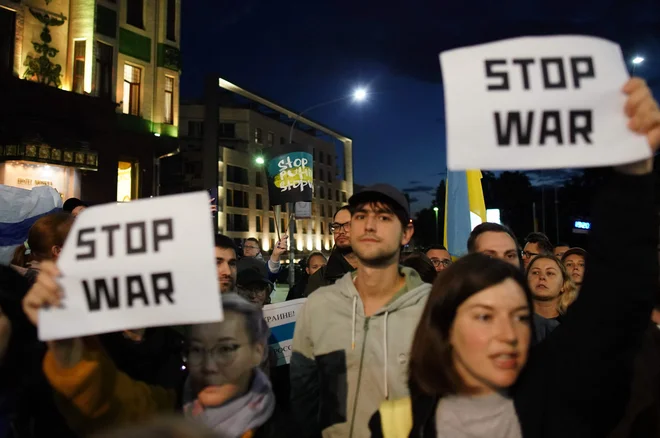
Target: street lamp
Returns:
[[437, 225], [259, 160], [637, 60]]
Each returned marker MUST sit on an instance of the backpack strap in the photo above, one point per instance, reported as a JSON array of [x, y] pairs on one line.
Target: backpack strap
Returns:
[[396, 418]]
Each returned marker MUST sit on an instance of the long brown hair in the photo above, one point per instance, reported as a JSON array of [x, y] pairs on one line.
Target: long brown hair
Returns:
[[570, 293], [48, 231], [432, 368]]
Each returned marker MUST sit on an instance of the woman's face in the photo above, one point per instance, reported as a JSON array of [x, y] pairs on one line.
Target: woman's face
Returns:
[[220, 353], [545, 279], [490, 337], [575, 266]]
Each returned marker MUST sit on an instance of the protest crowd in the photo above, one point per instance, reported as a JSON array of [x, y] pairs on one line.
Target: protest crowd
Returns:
[[538, 339]]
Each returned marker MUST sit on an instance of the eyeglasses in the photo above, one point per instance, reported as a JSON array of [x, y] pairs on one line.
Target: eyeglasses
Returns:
[[437, 262], [529, 255], [220, 354], [336, 227]]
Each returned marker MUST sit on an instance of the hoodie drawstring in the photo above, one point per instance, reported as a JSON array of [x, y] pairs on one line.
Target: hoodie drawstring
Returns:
[[353, 324], [387, 392]]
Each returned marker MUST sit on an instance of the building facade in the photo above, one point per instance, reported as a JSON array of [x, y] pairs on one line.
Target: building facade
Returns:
[[247, 126], [105, 74]]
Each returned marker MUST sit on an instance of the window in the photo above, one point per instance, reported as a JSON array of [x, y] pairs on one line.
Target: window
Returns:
[[237, 222], [126, 174], [332, 211], [237, 174], [104, 61], [322, 228], [270, 139], [343, 197], [79, 66], [227, 130], [282, 140], [329, 194], [322, 191], [258, 135], [195, 128], [258, 181], [282, 225], [171, 20], [321, 157], [322, 210], [168, 116], [258, 218], [330, 180], [132, 89], [271, 225], [329, 160], [7, 40], [260, 204], [322, 174], [337, 198], [237, 198], [135, 13]]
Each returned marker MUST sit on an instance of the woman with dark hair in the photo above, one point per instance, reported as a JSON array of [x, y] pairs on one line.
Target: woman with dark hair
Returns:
[[472, 372], [422, 264]]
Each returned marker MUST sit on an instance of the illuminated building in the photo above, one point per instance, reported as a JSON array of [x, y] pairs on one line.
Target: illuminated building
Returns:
[[247, 126], [93, 124]]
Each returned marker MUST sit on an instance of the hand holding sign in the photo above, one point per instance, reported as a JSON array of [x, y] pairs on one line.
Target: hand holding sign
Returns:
[[143, 264], [536, 103], [280, 248]]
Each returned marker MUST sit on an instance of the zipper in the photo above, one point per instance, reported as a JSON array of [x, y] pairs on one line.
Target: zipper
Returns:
[[357, 389]]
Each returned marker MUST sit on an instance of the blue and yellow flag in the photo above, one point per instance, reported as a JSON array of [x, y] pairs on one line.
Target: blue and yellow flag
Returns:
[[464, 209]]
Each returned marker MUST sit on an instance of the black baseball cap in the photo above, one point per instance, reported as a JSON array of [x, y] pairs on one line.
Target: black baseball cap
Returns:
[[72, 203], [573, 251], [251, 271], [379, 191]]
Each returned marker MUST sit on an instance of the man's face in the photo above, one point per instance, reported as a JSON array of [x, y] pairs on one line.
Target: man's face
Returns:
[[256, 293], [314, 264], [250, 249], [377, 235], [440, 258], [341, 229], [575, 266], [498, 245], [531, 250], [560, 250], [225, 262]]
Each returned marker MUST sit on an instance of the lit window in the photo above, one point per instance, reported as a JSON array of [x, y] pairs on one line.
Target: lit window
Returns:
[[132, 90], [169, 101], [79, 67], [124, 181]]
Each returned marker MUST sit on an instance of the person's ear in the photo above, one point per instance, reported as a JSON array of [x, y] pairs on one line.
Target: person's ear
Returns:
[[408, 232], [257, 354], [56, 250]]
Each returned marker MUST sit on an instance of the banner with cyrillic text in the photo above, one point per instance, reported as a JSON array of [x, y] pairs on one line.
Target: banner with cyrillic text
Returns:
[[281, 318], [141, 264], [537, 103]]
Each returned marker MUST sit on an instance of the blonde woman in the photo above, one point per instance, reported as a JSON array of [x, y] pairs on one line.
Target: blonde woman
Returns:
[[552, 288]]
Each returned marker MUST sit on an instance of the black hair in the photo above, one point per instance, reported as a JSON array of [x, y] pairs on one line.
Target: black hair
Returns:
[[394, 208], [345, 207], [224, 242], [436, 247], [422, 264], [488, 227], [562, 244], [542, 241], [314, 254]]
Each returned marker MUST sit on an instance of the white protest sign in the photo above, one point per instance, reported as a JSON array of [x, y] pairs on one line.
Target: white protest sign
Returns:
[[303, 210], [141, 264], [537, 103], [281, 318]]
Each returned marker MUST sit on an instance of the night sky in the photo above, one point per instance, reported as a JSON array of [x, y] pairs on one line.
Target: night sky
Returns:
[[302, 52]]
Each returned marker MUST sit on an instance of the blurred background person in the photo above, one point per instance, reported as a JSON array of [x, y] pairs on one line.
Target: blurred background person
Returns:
[[575, 261], [74, 206], [536, 244], [439, 256], [423, 265], [313, 263]]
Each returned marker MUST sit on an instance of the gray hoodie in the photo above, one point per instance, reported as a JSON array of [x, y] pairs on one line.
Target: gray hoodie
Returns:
[[345, 364]]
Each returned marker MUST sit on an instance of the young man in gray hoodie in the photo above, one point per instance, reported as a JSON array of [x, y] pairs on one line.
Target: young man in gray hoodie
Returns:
[[352, 339]]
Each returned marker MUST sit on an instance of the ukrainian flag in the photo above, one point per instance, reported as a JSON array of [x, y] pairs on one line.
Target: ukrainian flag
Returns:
[[464, 209]]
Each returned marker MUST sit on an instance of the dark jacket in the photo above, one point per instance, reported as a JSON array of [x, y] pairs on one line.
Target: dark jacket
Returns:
[[642, 417], [576, 382], [335, 269]]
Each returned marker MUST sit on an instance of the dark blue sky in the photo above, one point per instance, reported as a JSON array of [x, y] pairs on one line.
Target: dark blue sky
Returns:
[[301, 52]]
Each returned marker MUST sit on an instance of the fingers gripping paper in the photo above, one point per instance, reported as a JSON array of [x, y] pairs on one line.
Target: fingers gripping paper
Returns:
[[535, 103], [142, 264]]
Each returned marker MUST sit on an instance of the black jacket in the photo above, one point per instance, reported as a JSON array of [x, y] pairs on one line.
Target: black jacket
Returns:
[[336, 268], [576, 382]]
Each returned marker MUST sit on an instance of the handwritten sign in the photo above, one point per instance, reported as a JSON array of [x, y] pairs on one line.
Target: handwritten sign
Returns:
[[536, 103], [143, 264], [281, 318], [290, 175]]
